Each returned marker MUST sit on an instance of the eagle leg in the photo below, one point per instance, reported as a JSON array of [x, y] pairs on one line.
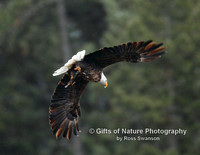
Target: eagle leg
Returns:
[[78, 68], [72, 79], [73, 83]]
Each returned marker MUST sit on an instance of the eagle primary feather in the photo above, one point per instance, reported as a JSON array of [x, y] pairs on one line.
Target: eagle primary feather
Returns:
[[64, 110]]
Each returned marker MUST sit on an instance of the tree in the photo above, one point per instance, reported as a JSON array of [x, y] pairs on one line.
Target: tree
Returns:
[[160, 94], [29, 53], [152, 95]]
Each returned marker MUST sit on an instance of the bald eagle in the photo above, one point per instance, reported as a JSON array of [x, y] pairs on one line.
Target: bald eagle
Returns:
[[64, 109]]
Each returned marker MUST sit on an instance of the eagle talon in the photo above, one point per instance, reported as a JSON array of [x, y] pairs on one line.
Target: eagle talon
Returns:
[[78, 68], [67, 85], [73, 83]]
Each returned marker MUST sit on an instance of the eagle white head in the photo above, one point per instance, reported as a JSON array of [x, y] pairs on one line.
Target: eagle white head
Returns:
[[103, 80]]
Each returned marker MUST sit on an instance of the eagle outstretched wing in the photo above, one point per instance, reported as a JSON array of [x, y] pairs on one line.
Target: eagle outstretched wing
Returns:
[[130, 52], [64, 109]]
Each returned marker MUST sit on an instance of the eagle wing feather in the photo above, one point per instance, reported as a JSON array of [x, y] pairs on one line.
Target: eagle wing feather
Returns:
[[130, 52], [64, 109]]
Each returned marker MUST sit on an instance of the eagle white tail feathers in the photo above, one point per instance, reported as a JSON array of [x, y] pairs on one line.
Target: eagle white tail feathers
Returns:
[[78, 57]]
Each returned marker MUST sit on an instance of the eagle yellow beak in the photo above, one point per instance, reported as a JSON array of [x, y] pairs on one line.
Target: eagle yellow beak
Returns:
[[105, 85]]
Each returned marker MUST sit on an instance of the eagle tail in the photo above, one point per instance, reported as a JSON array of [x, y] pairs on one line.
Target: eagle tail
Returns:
[[150, 51], [78, 57]]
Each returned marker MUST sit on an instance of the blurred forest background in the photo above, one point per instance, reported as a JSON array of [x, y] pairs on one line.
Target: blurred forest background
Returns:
[[39, 36]]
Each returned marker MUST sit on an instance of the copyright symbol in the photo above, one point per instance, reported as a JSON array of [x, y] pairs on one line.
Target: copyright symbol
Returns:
[[91, 131]]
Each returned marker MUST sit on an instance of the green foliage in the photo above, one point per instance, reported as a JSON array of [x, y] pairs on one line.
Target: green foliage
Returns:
[[159, 94]]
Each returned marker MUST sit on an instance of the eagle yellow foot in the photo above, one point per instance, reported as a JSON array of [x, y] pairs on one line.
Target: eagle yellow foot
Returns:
[[71, 77], [73, 83], [78, 68]]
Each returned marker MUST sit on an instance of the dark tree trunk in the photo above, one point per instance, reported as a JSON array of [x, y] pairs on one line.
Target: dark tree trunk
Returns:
[[66, 52], [62, 19]]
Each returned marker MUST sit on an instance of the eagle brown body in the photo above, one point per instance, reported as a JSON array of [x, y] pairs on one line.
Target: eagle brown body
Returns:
[[64, 109], [89, 72]]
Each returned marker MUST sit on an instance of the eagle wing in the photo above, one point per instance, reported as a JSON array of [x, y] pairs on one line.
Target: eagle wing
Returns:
[[130, 52], [64, 109]]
